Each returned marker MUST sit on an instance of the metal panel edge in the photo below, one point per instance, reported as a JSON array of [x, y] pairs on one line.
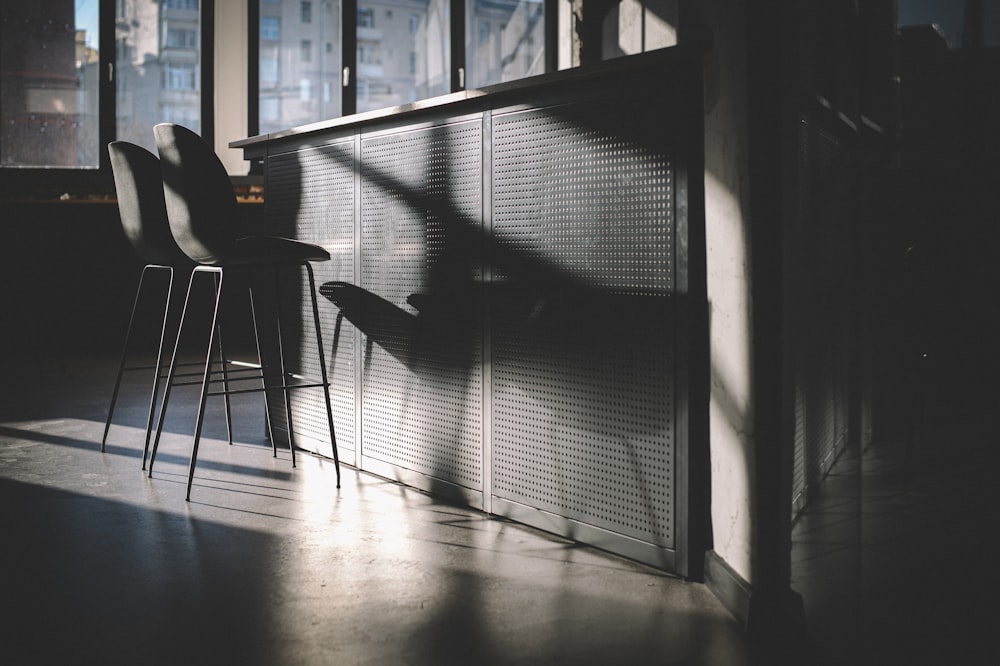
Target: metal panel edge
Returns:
[[420, 481], [613, 542]]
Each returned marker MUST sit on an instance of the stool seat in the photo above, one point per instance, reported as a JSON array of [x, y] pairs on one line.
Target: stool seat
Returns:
[[270, 250]]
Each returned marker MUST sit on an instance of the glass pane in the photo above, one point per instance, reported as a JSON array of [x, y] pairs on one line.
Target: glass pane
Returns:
[[300, 68], [403, 52], [158, 71], [48, 96], [504, 40]]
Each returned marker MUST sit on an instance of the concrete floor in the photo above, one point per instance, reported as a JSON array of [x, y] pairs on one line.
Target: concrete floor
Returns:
[[270, 565]]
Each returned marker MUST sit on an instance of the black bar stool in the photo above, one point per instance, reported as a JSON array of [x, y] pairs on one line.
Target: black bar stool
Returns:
[[143, 212], [204, 219]]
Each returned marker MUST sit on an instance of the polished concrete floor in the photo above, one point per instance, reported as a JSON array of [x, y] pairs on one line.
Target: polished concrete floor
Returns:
[[270, 565]]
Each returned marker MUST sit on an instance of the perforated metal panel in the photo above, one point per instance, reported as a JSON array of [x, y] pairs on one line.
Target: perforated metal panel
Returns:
[[310, 196], [583, 328], [421, 209], [525, 302]]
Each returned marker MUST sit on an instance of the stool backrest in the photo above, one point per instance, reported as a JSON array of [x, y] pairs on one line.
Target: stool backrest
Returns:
[[139, 189], [201, 205]]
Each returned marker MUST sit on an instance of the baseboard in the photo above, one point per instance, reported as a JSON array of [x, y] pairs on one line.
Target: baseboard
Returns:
[[730, 588]]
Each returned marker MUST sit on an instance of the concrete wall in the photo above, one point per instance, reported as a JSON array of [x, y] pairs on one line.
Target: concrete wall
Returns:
[[728, 283], [231, 82]]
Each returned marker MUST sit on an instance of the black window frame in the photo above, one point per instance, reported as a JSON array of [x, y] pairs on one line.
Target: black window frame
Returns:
[[349, 53], [88, 180]]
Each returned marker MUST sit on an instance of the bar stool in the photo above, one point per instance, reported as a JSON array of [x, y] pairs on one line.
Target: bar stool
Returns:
[[204, 220], [143, 212]]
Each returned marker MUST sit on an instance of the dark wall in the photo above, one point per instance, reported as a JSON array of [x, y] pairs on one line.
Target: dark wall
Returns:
[[68, 276]]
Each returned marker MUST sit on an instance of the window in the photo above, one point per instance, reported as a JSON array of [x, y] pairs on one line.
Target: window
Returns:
[[268, 70], [178, 77], [182, 38], [292, 55], [270, 28], [57, 109], [393, 57], [418, 64], [49, 91], [157, 82], [507, 53], [368, 54], [181, 4], [270, 108]]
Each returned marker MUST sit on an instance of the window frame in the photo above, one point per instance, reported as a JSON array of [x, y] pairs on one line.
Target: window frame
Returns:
[[86, 180], [349, 54]]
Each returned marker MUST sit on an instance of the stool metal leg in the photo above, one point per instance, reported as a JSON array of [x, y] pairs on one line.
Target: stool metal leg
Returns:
[[322, 369], [281, 366], [225, 382], [156, 371], [170, 373], [128, 339], [263, 370], [206, 378]]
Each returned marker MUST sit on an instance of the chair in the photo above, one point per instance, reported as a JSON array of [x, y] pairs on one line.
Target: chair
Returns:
[[143, 212], [204, 220]]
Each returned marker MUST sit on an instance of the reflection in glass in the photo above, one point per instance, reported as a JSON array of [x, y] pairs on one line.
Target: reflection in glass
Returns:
[[49, 70], [403, 51], [158, 70], [504, 40], [300, 63]]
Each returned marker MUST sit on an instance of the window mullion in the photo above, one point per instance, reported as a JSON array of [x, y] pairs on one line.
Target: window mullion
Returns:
[[457, 18], [208, 71], [107, 98], [349, 55]]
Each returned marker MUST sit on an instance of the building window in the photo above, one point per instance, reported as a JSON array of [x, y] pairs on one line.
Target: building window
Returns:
[[182, 38], [157, 81], [268, 70], [307, 87], [49, 110], [178, 77], [368, 54], [500, 48], [270, 108], [414, 23], [366, 17], [181, 4], [270, 28]]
